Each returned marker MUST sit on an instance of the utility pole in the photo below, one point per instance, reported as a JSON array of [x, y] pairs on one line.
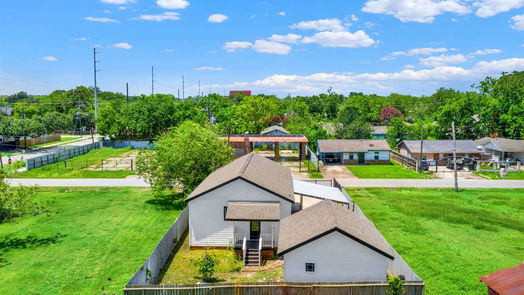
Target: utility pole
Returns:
[[178, 93], [454, 155], [152, 81], [198, 89], [183, 89], [127, 92], [419, 167], [95, 90]]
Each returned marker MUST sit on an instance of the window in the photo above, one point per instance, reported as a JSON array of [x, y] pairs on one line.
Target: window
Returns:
[[310, 267], [376, 155], [225, 212], [351, 156]]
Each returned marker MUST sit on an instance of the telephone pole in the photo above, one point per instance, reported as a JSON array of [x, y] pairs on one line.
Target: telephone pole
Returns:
[[198, 89], [152, 81], [183, 89], [127, 92], [454, 155], [95, 90]]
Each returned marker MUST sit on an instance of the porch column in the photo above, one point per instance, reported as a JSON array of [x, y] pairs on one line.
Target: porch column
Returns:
[[302, 151], [277, 151]]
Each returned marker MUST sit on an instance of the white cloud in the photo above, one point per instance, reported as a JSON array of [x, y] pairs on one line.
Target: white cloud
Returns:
[[100, 19], [340, 39], [205, 68], [281, 13], [487, 8], [331, 24], [423, 11], [234, 45], [80, 39], [415, 51], [172, 4], [289, 38], [354, 18], [518, 22], [119, 2], [444, 59], [49, 58], [487, 51], [160, 17], [168, 50], [271, 47], [217, 18], [122, 45]]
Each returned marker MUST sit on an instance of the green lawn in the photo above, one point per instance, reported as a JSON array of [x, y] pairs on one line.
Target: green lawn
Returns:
[[394, 170], [63, 140], [92, 242], [511, 176], [449, 239], [75, 167]]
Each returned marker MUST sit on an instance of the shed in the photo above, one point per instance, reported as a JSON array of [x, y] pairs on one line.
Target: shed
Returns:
[[508, 281]]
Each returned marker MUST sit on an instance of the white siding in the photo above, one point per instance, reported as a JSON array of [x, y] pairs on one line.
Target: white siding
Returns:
[[383, 155], [207, 226], [337, 258]]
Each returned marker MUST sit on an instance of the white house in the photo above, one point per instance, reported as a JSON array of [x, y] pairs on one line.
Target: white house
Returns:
[[503, 149], [353, 151], [329, 243]]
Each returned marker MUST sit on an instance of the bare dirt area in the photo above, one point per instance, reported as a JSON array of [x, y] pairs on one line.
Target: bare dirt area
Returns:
[[125, 161], [445, 173], [336, 171]]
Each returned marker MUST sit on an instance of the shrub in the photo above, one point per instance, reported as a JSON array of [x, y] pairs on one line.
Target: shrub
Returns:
[[206, 266], [395, 286]]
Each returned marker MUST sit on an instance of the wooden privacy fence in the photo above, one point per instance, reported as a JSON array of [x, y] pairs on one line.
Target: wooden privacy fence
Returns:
[[284, 288], [38, 140], [60, 156], [404, 160]]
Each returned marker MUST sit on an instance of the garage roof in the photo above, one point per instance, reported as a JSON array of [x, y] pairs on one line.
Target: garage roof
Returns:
[[319, 191]]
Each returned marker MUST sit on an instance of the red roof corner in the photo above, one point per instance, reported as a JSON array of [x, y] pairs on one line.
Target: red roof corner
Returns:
[[508, 281]]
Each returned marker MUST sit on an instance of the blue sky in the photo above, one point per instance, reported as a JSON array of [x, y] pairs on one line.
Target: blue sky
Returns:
[[273, 47]]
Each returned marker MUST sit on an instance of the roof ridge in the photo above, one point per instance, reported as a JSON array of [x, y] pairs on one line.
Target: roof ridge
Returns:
[[246, 163]]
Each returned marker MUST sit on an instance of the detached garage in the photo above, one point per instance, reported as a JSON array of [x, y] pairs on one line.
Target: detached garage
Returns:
[[354, 151]]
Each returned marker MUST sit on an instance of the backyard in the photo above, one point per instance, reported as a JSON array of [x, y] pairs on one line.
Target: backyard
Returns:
[[91, 242], [392, 171], [181, 270], [98, 163], [449, 239]]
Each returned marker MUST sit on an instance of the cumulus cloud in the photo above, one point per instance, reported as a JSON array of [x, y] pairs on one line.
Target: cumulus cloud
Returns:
[[340, 39], [172, 4], [168, 50], [217, 18], [331, 24], [235, 45], [80, 39], [49, 58], [160, 17], [289, 38], [488, 8], [444, 59], [281, 13], [271, 47], [422, 11], [119, 2], [205, 68], [122, 45], [415, 51], [518, 22], [101, 19], [354, 18], [487, 51]]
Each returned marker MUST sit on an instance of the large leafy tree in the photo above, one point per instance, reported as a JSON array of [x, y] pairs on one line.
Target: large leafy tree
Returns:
[[255, 113], [183, 157]]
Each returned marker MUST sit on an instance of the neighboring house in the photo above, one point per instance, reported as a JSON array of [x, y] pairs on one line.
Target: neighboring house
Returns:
[[434, 150], [329, 243], [509, 281], [379, 132], [274, 130], [502, 148], [353, 151], [244, 92]]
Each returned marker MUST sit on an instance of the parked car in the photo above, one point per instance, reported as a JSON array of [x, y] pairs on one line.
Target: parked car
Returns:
[[424, 165], [460, 163]]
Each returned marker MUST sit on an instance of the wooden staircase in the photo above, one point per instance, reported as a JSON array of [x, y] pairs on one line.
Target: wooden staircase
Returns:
[[252, 257]]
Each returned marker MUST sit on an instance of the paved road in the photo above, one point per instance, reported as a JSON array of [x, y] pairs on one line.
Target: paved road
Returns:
[[420, 183], [432, 183]]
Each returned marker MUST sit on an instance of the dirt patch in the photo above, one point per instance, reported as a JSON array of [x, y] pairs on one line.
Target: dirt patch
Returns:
[[336, 171], [126, 161]]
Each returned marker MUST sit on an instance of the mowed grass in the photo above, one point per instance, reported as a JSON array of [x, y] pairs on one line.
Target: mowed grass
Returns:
[[75, 167], [448, 238], [182, 270], [92, 243], [509, 175], [393, 171]]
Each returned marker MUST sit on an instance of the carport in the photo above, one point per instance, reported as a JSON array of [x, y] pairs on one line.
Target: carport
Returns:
[[243, 143]]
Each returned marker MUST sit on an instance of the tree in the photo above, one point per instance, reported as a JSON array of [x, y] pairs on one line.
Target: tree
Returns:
[[355, 130], [397, 131], [183, 157], [206, 266], [388, 113], [395, 286], [17, 97], [15, 202], [255, 113]]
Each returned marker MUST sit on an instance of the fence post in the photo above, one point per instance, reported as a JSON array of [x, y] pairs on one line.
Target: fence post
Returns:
[[102, 164], [132, 165]]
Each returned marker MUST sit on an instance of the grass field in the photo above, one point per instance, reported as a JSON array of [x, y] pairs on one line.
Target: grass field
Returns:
[[394, 171], [92, 242], [449, 239], [63, 140], [75, 166], [182, 270], [511, 176]]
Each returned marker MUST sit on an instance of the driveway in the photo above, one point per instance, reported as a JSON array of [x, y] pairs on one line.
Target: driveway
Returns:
[[336, 171]]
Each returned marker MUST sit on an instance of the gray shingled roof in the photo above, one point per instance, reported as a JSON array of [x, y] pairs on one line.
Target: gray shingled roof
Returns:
[[265, 211], [505, 144], [352, 145], [274, 128], [324, 217], [442, 146], [252, 168], [380, 129]]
